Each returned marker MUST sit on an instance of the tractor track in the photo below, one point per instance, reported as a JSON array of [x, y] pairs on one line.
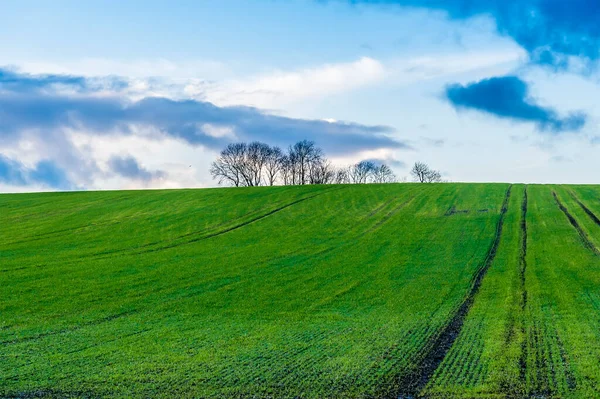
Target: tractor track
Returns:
[[523, 287], [389, 215], [523, 254], [69, 329], [413, 383], [585, 209], [177, 242], [582, 234]]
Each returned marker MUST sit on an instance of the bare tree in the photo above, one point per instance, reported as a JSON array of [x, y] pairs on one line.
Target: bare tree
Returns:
[[228, 166], [301, 157], [434, 177], [254, 162], [383, 174], [274, 165], [419, 172], [341, 176], [287, 170], [361, 172], [241, 164], [422, 173], [321, 172]]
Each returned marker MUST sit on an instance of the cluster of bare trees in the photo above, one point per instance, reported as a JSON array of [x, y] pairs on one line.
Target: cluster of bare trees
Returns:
[[422, 173], [256, 164], [259, 164]]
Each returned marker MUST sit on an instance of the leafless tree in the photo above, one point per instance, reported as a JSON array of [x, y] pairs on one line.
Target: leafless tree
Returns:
[[241, 164], [301, 157], [361, 172], [228, 168], [321, 172], [419, 172], [256, 157], [434, 177], [274, 165], [422, 173], [383, 174], [286, 171], [341, 176]]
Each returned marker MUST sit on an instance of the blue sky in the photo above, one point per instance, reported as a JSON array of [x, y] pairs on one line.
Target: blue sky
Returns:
[[107, 95]]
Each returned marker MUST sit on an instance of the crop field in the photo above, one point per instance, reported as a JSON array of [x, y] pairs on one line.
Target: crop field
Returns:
[[342, 291]]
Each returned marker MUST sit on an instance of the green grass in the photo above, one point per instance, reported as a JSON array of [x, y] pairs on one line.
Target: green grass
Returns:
[[366, 291]]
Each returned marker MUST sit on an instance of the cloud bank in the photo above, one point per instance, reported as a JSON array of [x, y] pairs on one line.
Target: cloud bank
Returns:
[[195, 122]]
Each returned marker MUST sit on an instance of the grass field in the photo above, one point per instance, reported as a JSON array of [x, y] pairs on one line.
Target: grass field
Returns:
[[358, 291]]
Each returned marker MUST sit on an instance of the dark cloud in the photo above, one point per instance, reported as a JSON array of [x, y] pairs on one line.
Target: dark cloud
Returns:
[[27, 110], [127, 166], [550, 30], [46, 173], [508, 97]]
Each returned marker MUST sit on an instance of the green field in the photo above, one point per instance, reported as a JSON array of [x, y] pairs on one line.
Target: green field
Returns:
[[354, 291]]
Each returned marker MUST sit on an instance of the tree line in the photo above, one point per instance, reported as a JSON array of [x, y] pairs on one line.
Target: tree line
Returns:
[[259, 164]]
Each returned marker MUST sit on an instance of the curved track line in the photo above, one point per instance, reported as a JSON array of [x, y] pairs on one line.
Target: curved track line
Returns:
[[232, 228], [389, 215], [174, 242], [90, 323]]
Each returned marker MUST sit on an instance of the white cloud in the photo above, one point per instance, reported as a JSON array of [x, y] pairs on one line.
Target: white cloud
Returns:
[[431, 67], [280, 88], [218, 131]]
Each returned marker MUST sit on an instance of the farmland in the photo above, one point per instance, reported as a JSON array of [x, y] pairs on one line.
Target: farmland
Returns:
[[374, 291]]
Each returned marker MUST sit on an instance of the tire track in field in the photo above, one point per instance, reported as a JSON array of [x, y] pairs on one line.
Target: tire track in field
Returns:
[[569, 377], [389, 215], [523, 253], [146, 248], [523, 269], [439, 347], [379, 209], [585, 209], [238, 226], [582, 234], [69, 329]]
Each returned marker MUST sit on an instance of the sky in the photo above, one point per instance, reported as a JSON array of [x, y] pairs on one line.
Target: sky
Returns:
[[129, 94]]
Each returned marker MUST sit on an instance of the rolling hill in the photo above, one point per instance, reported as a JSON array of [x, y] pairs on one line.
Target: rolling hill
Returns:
[[374, 291]]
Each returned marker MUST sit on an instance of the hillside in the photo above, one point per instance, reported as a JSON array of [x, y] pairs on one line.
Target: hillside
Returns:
[[441, 290]]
